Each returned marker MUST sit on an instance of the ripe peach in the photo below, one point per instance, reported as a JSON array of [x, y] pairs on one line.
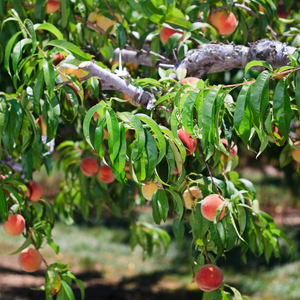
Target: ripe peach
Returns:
[[209, 278], [281, 10], [188, 142], [14, 225], [41, 125], [210, 205], [52, 6], [224, 25], [187, 201], [129, 99], [233, 151], [77, 72], [148, 190], [166, 32], [190, 80], [34, 191], [58, 57], [105, 174], [296, 153], [102, 21], [89, 166], [30, 260]]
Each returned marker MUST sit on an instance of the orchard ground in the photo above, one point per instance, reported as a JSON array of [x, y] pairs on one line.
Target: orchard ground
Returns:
[[101, 256]]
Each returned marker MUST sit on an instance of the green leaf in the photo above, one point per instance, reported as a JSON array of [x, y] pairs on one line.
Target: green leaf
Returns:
[[3, 206], [4, 115], [282, 108], [120, 161], [258, 63], [79, 283], [141, 139], [113, 134], [86, 123], [51, 28], [159, 135], [8, 51], [178, 229], [179, 204], [121, 35], [242, 116], [152, 154], [199, 224], [208, 114], [187, 113], [31, 30], [65, 12], [26, 243], [18, 51], [27, 163], [259, 99], [286, 238], [40, 10], [72, 96], [68, 290], [49, 75], [297, 91], [71, 48]]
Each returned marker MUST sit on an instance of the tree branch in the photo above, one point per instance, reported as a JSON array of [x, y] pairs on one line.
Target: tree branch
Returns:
[[217, 57], [144, 98]]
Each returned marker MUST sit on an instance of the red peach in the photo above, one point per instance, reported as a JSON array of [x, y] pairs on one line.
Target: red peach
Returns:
[[190, 80], [14, 225], [89, 166], [166, 32], [188, 142], [210, 205], [187, 201], [209, 278], [52, 6], [223, 24], [58, 57], [105, 174], [34, 191], [296, 153], [233, 151], [30, 260]]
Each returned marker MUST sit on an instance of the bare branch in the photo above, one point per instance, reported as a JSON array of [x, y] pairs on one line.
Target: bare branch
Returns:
[[144, 98], [218, 57]]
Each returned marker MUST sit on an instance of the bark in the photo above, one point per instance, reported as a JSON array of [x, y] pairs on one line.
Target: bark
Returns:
[[218, 57], [141, 97]]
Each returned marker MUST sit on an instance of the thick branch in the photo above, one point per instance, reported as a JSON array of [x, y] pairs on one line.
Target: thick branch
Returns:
[[145, 99], [217, 57]]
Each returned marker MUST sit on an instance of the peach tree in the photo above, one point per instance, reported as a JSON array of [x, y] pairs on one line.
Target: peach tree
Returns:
[[133, 96]]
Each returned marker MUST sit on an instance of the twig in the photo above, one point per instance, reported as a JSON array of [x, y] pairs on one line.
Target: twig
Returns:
[[208, 169], [34, 244], [206, 255]]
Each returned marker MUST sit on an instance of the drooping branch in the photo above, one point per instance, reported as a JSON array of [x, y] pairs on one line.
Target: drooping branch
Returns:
[[218, 57], [144, 98]]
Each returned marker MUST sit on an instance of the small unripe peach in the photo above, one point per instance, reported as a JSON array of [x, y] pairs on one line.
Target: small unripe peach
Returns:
[[148, 190], [166, 32], [275, 130], [52, 6], [209, 278], [209, 207], [103, 22], [34, 191], [105, 174], [30, 260], [296, 153], [224, 25], [14, 225], [89, 166], [187, 201], [233, 151], [190, 80], [188, 142]]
